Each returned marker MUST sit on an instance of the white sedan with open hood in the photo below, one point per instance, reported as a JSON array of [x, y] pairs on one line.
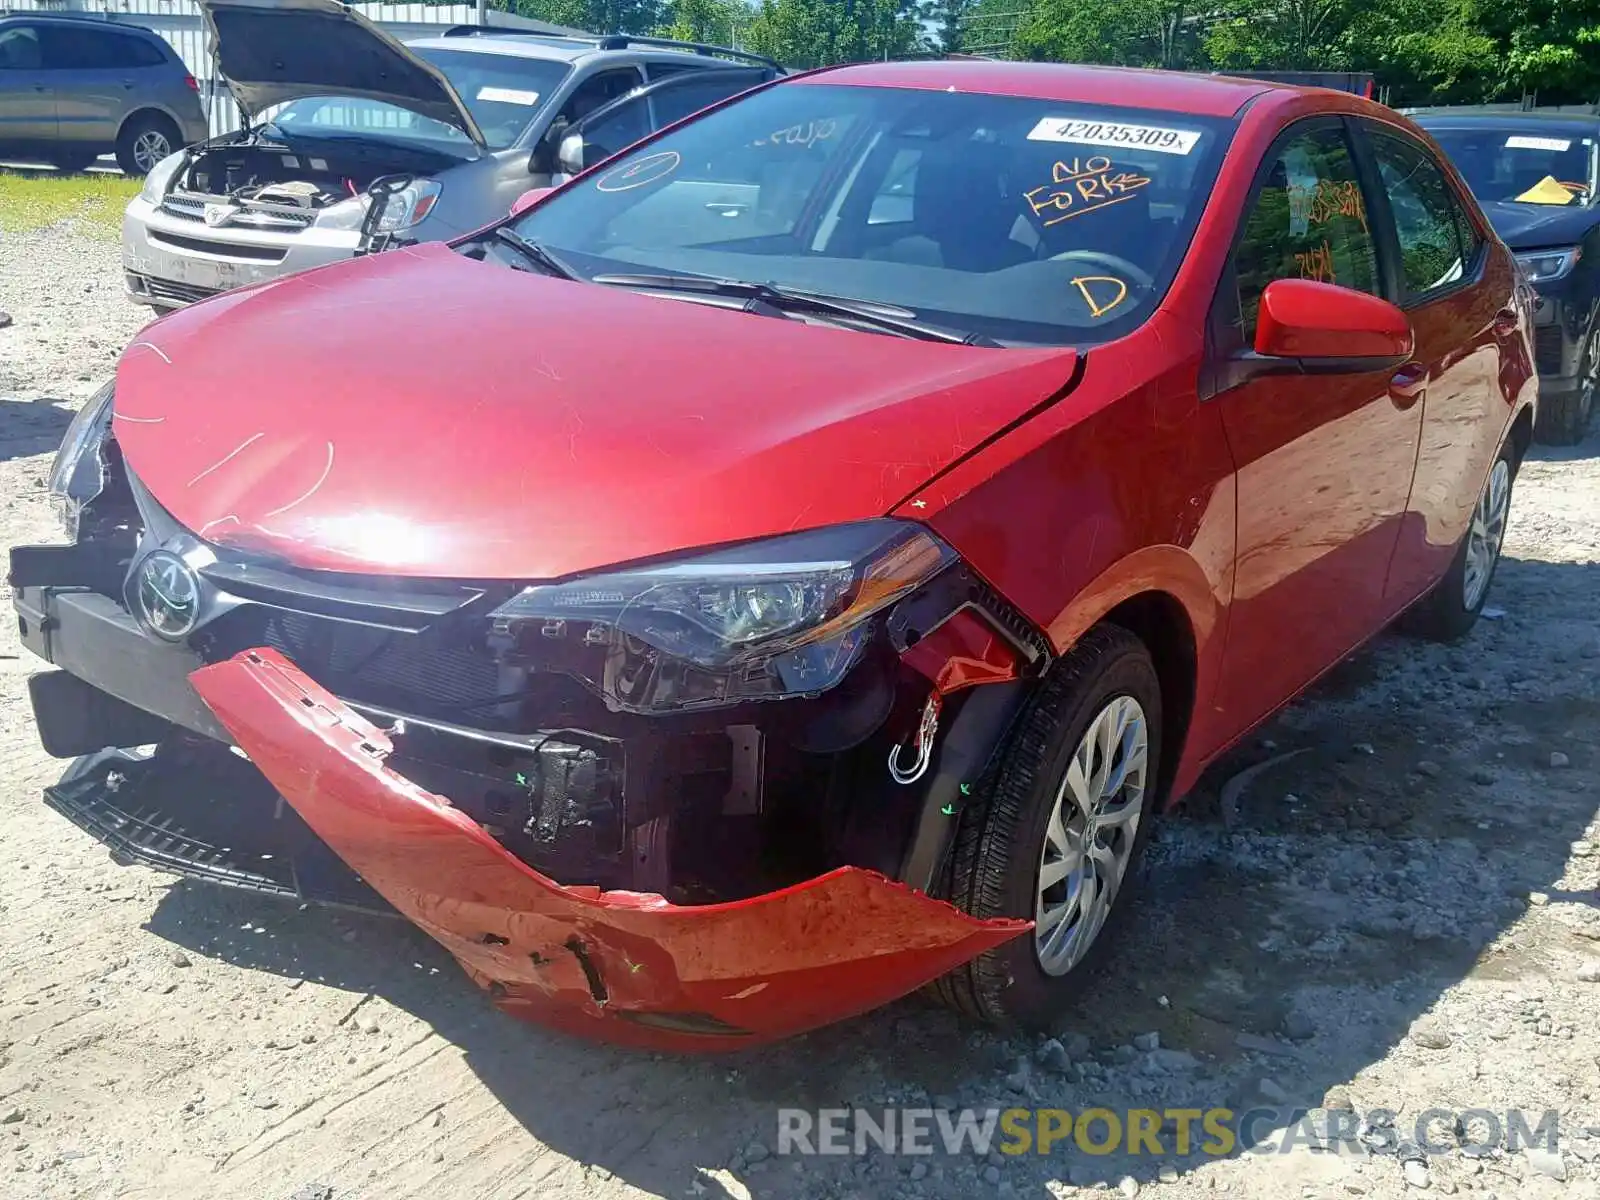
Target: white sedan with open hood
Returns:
[[353, 142]]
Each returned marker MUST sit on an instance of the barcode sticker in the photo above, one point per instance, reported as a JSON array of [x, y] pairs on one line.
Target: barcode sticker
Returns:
[[1115, 133]]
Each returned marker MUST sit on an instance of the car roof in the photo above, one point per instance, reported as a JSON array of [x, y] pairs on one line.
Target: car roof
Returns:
[[79, 20], [554, 48], [1174, 91]]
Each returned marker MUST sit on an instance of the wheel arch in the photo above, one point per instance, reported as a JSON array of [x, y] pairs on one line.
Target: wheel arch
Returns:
[[1160, 621], [150, 110], [1174, 604], [1521, 432]]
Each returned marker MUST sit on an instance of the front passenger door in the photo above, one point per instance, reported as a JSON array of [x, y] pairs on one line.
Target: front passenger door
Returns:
[[1323, 461]]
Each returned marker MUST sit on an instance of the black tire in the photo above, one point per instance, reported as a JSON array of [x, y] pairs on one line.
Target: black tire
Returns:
[[135, 146], [1443, 614], [993, 870], [1564, 420]]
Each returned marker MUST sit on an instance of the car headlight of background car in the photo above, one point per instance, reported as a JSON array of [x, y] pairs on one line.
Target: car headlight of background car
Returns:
[[1547, 266], [785, 616], [79, 471], [160, 178], [408, 206]]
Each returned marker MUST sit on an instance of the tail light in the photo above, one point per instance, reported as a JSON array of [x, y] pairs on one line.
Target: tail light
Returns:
[[190, 82]]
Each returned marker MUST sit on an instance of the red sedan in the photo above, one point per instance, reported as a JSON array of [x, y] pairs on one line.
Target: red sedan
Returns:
[[794, 562]]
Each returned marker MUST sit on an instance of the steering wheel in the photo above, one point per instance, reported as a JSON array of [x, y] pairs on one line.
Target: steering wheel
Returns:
[[1115, 261], [1577, 189]]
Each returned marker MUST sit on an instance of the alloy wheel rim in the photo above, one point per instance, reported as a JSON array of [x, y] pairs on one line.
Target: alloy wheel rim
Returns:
[[1089, 838], [1487, 532], [149, 148]]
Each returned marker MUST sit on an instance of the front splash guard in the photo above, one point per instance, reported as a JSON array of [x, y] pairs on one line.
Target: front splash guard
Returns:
[[623, 966]]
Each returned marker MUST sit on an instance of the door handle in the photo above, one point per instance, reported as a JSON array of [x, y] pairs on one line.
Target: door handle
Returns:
[[1505, 321], [1407, 384]]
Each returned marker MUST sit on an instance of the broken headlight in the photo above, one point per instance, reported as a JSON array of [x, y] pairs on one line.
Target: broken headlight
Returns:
[[786, 616], [79, 471]]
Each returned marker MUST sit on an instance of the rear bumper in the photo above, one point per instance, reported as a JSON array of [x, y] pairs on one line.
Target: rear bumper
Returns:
[[623, 966]]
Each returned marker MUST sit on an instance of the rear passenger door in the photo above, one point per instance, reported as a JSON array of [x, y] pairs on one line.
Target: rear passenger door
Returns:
[[1454, 294], [1323, 461]]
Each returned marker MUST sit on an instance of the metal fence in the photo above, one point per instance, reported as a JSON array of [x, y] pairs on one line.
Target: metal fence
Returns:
[[183, 26]]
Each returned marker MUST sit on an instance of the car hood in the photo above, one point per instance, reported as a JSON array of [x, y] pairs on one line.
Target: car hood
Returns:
[[274, 51], [419, 413], [1535, 226]]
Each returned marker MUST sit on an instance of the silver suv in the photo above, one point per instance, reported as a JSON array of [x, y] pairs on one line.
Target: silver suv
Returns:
[[74, 88], [354, 142]]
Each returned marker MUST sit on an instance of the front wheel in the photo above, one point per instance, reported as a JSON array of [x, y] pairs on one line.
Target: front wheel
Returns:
[[1564, 420], [1451, 609], [1056, 836]]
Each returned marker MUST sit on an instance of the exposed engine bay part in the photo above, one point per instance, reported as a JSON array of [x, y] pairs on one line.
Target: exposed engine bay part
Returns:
[[250, 180]]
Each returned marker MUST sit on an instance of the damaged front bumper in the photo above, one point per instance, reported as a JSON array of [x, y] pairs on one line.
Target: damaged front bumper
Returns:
[[729, 888], [625, 966]]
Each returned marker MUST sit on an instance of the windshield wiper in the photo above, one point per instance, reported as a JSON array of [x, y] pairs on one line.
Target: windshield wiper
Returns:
[[532, 252], [887, 317]]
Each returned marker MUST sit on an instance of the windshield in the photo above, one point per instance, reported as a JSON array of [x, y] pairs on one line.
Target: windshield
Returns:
[[1534, 165], [1022, 220], [502, 92]]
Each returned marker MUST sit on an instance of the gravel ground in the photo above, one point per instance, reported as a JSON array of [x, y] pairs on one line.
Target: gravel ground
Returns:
[[1405, 916]]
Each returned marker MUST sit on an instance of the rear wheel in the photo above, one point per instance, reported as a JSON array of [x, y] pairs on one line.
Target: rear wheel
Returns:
[[1564, 420], [1451, 609], [144, 141], [1055, 837]]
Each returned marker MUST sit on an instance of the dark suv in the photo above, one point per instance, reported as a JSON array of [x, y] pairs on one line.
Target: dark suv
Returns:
[[74, 88], [1535, 173]]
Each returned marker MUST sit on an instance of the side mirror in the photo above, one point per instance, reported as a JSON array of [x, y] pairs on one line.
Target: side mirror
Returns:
[[572, 154], [528, 199], [1330, 328]]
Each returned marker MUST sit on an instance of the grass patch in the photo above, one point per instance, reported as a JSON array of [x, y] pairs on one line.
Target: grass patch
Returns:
[[33, 200]]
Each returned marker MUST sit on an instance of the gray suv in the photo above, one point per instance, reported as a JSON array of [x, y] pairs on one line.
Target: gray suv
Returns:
[[354, 142], [74, 88]]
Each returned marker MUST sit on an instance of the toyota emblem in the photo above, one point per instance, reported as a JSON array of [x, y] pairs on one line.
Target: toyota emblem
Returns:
[[166, 596], [218, 214]]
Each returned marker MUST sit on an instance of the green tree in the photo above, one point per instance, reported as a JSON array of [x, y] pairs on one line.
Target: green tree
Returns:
[[1551, 47], [720, 22], [947, 19], [1144, 33], [815, 33], [595, 16], [1287, 35]]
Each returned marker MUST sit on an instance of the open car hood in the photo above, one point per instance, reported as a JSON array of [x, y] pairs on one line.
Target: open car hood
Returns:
[[274, 51], [419, 413]]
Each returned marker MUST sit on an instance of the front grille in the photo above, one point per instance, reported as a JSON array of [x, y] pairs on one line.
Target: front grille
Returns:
[[265, 254], [248, 214], [424, 674], [1547, 349]]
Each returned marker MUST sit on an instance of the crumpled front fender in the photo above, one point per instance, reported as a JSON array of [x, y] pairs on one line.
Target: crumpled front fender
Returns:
[[624, 966]]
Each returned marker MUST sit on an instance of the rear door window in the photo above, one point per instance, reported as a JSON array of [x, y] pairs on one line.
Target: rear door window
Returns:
[[1428, 219]]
